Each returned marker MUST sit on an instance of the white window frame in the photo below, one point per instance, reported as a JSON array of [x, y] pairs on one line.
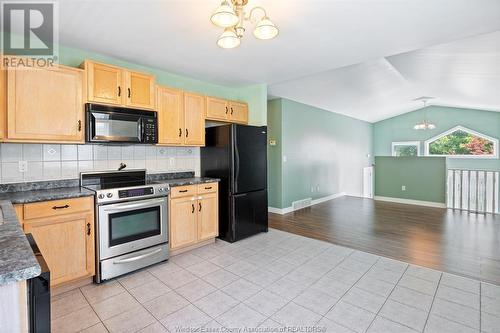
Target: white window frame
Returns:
[[468, 130], [405, 143]]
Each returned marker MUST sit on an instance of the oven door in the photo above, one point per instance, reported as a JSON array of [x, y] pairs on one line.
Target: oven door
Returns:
[[114, 127], [131, 226]]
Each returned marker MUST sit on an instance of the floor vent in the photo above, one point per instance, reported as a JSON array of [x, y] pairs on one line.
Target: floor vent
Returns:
[[301, 203]]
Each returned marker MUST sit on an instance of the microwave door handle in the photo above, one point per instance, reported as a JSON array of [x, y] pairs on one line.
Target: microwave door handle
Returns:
[[141, 129], [139, 257]]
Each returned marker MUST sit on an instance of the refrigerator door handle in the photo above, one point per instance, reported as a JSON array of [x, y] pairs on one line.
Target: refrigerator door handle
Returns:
[[237, 165]]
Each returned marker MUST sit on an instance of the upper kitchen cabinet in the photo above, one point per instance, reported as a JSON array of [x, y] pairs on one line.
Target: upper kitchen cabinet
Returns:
[[170, 107], [140, 90], [217, 109], [238, 112], [194, 119], [43, 105], [226, 111], [114, 85]]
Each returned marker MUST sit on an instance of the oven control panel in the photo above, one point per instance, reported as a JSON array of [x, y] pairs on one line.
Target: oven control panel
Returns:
[[135, 192], [131, 193]]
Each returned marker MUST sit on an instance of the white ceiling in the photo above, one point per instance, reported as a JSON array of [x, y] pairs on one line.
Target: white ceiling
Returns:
[[464, 73], [317, 37]]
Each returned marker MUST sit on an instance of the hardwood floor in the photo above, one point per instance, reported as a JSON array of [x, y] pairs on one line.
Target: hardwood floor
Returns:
[[452, 241]]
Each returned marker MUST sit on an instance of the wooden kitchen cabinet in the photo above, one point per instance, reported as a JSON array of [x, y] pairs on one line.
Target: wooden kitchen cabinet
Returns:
[[226, 111], [44, 105], [194, 119], [217, 109], [108, 84], [181, 118], [238, 112], [64, 232], [183, 222], [208, 221], [194, 215], [170, 107], [140, 90]]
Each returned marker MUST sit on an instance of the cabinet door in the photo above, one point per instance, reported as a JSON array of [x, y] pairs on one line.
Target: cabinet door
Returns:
[[238, 112], [183, 216], [170, 106], [45, 104], [140, 90], [67, 244], [104, 83], [208, 219], [217, 109], [194, 118], [3, 102]]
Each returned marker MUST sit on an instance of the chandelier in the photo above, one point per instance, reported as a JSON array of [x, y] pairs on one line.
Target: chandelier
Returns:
[[232, 16], [424, 124]]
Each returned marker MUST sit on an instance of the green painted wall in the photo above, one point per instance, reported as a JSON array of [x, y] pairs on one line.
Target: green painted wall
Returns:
[[274, 153], [400, 128], [321, 152], [424, 178]]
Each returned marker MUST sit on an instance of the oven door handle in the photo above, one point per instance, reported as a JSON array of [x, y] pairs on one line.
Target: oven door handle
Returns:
[[127, 205], [142, 256]]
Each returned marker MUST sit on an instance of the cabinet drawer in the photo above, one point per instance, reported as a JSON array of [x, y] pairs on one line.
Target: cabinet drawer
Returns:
[[207, 188], [57, 207], [182, 191]]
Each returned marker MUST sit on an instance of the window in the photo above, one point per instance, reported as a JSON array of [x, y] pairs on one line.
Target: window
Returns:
[[462, 142], [406, 148]]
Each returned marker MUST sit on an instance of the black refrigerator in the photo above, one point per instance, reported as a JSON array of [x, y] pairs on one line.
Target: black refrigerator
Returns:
[[237, 155]]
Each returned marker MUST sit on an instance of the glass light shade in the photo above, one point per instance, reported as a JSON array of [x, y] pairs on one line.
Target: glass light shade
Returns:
[[265, 29], [224, 16], [228, 39]]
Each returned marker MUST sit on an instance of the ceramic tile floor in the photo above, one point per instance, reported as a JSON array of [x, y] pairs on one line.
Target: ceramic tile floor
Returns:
[[279, 279]]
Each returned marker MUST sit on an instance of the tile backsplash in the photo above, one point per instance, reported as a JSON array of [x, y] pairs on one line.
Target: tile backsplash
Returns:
[[32, 162]]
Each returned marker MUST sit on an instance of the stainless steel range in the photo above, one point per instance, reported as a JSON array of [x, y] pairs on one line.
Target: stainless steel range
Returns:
[[131, 221]]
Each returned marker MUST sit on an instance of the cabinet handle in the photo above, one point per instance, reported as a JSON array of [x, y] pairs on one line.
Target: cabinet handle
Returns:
[[199, 204], [60, 207], [183, 191], [187, 133], [231, 111], [128, 92], [88, 229], [208, 187], [227, 110], [192, 206], [119, 91], [180, 132], [79, 125]]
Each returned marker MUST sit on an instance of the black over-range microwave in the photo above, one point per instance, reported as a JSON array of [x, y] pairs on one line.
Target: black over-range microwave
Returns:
[[120, 125]]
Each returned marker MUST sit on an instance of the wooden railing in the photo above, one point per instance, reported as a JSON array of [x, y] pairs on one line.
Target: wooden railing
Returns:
[[473, 190]]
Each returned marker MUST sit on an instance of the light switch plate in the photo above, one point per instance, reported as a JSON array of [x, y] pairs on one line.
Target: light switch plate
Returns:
[[403, 188]]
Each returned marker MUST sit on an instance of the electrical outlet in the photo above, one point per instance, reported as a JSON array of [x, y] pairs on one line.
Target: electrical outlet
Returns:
[[171, 161], [403, 188], [23, 166], [284, 159]]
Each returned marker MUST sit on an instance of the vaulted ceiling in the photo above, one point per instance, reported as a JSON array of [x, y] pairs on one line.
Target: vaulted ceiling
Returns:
[[363, 58]]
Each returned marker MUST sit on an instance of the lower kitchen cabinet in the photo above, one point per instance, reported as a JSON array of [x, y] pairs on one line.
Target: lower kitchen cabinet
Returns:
[[194, 215], [183, 220], [64, 232]]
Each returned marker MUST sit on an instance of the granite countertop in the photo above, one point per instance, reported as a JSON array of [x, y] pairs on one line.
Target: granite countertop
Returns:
[[17, 260], [189, 181], [23, 197]]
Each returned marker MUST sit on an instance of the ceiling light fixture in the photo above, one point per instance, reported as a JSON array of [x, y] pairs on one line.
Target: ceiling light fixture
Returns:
[[231, 16], [424, 124]]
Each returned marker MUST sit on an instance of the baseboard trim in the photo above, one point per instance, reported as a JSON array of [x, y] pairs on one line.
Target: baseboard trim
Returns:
[[287, 210], [411, 202]]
